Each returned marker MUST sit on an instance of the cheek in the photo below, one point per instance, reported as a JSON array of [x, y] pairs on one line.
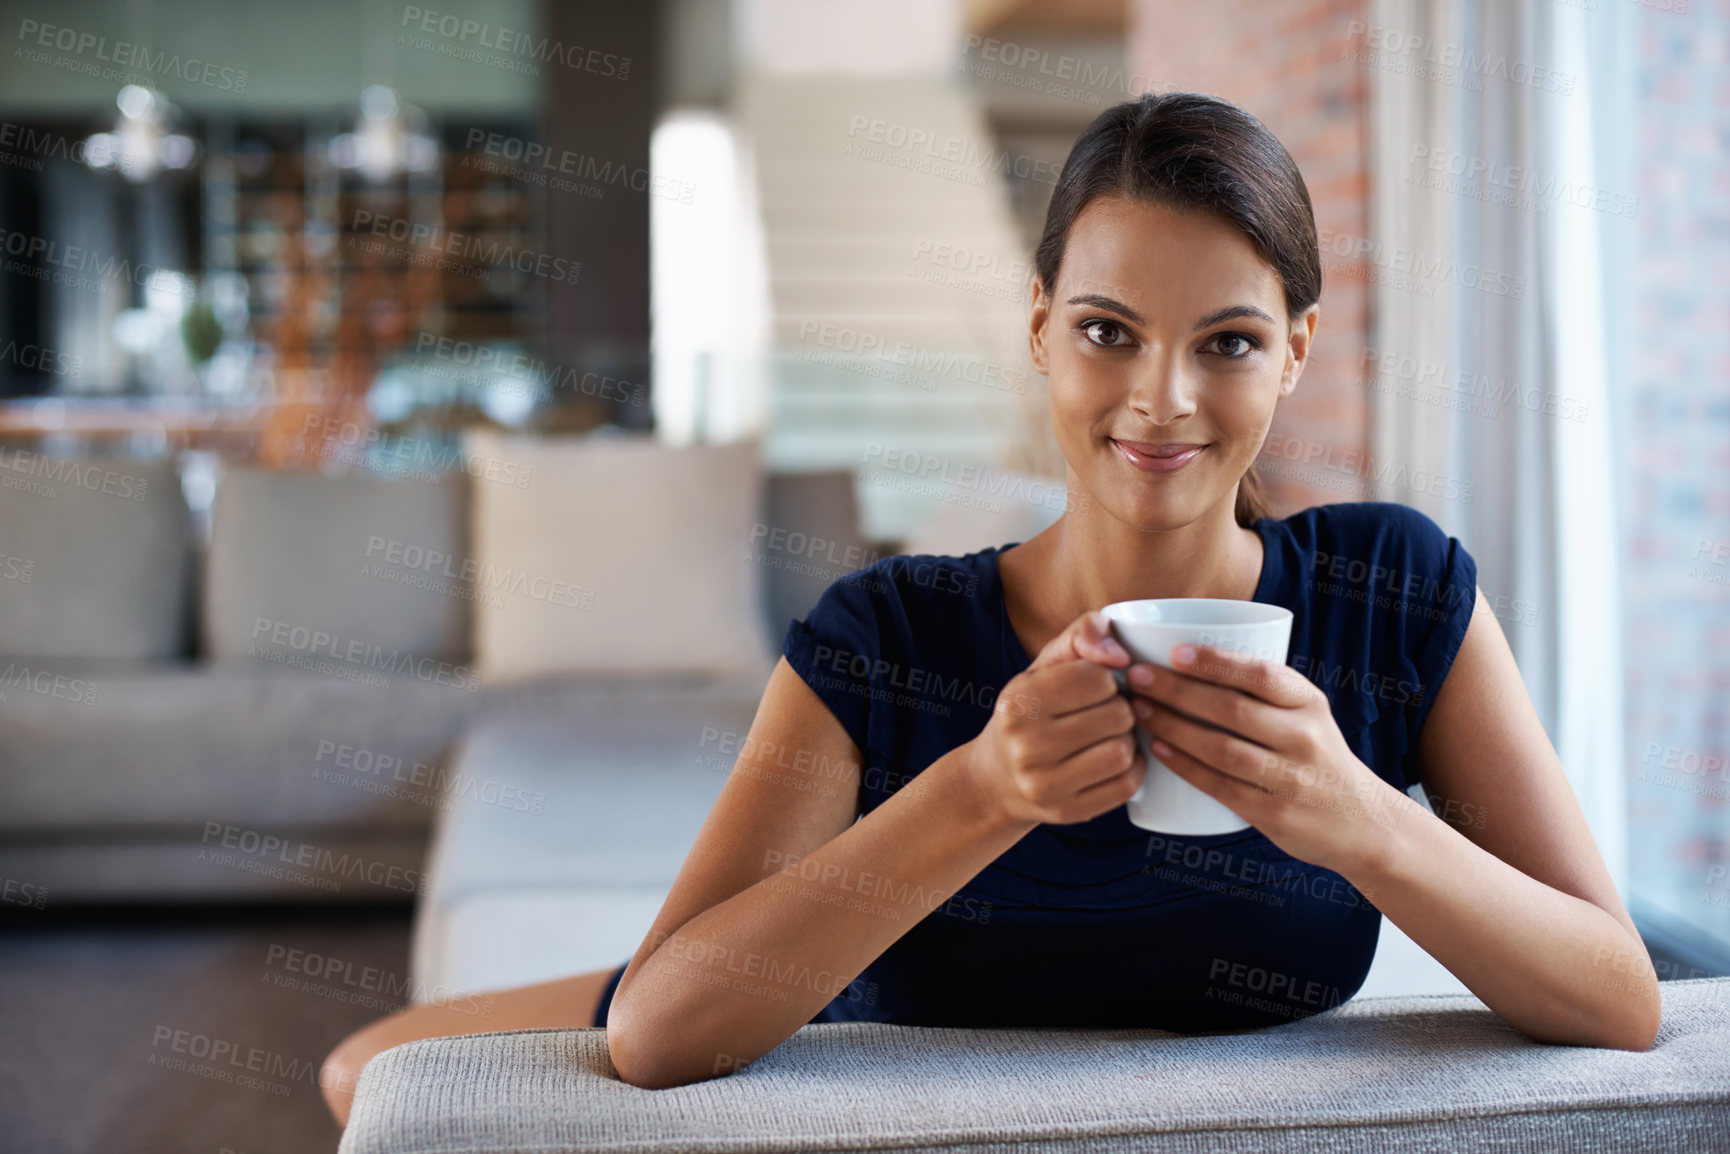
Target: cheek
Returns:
[[1239, 399], [1080, 381], [1078, 404]]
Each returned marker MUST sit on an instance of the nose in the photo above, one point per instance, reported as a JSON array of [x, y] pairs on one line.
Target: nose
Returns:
[[1161, 391]]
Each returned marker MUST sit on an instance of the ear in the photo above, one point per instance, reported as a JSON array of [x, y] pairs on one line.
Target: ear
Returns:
[[1303, 332], [1038, 318]]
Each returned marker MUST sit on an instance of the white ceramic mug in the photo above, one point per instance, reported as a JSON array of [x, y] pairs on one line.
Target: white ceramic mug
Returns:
[[1148, 629]]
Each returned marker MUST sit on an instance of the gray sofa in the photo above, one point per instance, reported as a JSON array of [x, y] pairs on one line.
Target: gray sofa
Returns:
[[160, 745]]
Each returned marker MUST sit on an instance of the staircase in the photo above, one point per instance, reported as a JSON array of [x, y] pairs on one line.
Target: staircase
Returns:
[[898, 289]]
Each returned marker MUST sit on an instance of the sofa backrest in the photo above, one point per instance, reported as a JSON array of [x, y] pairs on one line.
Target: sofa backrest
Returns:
[[304, 565], [93, 558]]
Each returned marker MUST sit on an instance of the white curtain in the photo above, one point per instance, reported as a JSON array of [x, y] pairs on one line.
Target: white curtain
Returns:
[[1495, 316]]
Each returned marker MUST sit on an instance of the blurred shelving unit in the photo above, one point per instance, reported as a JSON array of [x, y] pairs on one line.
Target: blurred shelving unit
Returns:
[[342, 272]]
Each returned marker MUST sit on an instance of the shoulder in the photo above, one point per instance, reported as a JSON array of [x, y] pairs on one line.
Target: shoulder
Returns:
[[888, 626], [902, 596], [1388, 561], [919, 578], [1366, 525], [909, 585], [1383, 541]]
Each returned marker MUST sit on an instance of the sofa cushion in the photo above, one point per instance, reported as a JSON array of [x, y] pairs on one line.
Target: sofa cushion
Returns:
[[93, 557], [233, 741], [518, 896], [167, 749], [141, 760], [614, 554], [369, 562], [1440, 1074], [503, 938], [342, 864], [627, 792]]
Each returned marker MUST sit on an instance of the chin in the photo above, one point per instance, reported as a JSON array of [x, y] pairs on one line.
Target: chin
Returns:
[[1146, 511]]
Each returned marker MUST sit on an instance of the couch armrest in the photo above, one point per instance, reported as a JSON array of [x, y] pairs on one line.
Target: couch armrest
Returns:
[[1439, 1073]]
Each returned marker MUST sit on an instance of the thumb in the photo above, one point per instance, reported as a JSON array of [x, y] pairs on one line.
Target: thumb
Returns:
[[1087, 638]]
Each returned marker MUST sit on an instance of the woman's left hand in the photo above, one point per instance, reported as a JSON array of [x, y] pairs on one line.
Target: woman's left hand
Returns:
[[1282, 763]]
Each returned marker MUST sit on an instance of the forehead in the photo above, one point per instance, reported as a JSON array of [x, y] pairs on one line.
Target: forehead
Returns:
[[1151, 254]]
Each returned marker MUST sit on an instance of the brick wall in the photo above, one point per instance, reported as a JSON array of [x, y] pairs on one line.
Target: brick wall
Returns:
[[1285, 64]]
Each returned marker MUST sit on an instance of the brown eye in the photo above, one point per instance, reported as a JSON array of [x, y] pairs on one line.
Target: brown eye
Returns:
[[1112, 337], [1234, 346]]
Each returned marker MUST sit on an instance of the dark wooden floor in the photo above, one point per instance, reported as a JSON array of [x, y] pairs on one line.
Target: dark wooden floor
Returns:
[[174, 1030]]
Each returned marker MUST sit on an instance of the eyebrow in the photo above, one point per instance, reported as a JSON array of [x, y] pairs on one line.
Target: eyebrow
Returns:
[[1099, 301]]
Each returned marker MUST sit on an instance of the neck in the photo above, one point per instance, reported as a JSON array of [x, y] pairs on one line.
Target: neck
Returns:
[[1096, 559]]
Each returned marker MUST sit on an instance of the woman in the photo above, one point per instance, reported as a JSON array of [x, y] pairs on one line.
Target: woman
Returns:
[[979, 868]]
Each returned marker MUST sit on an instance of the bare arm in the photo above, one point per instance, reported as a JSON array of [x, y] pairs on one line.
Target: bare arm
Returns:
[[747, 949], [712, 990], [1511, 894]]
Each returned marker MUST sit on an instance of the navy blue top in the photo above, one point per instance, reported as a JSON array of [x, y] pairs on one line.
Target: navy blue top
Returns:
[[1103, 923]]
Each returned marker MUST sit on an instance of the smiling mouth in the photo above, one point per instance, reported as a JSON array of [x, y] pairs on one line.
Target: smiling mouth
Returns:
[[1150, 457]]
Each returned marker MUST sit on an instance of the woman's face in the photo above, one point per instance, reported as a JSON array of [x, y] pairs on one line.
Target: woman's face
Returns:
[[1165, 329]]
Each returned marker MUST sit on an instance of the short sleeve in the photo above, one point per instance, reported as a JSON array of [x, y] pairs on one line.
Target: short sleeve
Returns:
[[839, 643], [1442, 612]]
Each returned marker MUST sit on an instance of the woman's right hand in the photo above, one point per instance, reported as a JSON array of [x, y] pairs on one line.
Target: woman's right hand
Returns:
[[1060, 746]]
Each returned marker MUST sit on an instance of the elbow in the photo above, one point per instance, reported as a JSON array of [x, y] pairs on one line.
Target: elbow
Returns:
[[648, 1073], [1638, 1042], [651, 1077], [639, 1070], [1641, 1020], [1635, 1039], [650, 1066], [633, 1067], [1634, 1030], [1642, 1034], [1631, 1024]]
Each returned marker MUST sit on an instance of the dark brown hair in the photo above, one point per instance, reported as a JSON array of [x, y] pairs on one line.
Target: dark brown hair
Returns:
[[1195, 152]]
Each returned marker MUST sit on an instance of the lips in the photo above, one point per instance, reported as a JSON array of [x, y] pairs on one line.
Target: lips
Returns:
[[1151, 457]]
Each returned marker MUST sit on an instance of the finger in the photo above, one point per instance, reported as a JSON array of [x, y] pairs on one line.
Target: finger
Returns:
[[1100, 763], [1075, 731], [1087, 638], [1223, 752], [1067, 687], [1274, 682], [1223, 706], [1239, 796], [1117, 787]]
